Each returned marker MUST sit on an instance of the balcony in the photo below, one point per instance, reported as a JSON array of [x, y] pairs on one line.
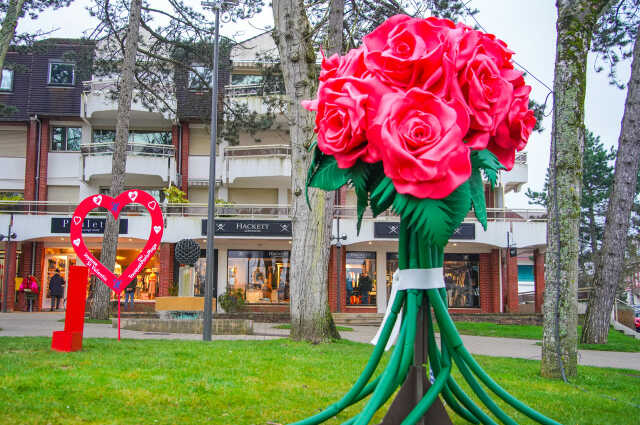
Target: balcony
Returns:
[[252, 164], [100, 106], [148, 164], [253, 95], [12, 173], [519, 175]]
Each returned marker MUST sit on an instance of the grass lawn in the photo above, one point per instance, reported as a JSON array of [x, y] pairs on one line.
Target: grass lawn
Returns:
[[250, 382], [339, 328], [617, 340]]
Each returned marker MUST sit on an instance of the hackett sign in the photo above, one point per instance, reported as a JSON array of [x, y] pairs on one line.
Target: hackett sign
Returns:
[[89, 225], [391, 230], [249, 227]]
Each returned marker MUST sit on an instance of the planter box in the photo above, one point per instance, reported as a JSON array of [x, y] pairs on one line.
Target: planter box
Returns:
[[182, 304]]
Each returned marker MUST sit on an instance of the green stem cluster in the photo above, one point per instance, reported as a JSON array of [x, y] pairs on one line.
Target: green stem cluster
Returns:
[[414, 254]]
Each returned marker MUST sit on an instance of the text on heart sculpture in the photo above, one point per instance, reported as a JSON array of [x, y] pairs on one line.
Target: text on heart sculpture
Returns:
[[114, 206]]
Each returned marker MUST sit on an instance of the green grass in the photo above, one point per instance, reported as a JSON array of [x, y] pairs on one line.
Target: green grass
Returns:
[[98, 321], [339, 328], [617, 340], [251, 382]]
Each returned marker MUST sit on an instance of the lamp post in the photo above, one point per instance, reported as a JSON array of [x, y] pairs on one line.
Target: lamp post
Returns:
[[5, 287], [209, 281]]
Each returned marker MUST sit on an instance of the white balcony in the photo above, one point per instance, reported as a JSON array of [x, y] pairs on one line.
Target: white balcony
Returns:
[[100, 106], [254, 164], [147, 164], [253, 95], [12, 173], [519, 174]]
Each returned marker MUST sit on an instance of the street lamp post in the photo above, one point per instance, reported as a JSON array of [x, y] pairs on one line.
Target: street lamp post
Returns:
[[209, 282]]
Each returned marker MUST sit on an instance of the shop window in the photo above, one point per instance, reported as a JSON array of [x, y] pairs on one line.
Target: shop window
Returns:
[[460, 277], [461, 273], [200, 77], [66, 139], [7, 80], [361, 278], [263, 276], [61, 74]]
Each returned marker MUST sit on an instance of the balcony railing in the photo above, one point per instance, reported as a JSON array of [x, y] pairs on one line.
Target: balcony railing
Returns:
[[255, 211], [253, 90], [134, 148], [96, 85], [260, 150], [521, 158]]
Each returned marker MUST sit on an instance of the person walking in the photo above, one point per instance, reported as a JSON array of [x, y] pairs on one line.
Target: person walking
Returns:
[[129, 293], [56, 289]]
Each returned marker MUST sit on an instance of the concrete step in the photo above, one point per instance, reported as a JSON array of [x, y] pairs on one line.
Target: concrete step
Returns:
[[358, 319]]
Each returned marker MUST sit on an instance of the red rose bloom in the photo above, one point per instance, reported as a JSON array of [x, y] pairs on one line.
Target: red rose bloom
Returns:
[[408, 52], [349, 65], [487, 95], [420, 139], [512, 133], [341, 120]]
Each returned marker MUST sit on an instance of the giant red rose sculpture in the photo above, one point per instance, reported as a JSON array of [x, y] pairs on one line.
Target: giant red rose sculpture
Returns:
[[412, 120]]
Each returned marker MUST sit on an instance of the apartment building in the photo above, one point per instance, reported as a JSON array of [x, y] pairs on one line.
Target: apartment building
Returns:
[[56, 150]]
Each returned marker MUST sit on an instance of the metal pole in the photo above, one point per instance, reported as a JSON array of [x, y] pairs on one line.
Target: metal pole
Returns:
[[209, 282]]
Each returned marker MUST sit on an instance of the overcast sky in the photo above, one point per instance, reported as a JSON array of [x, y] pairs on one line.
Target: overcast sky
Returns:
[[527, 26]]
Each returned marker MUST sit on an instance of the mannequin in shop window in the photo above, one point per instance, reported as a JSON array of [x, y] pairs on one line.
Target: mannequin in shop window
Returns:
[[56, 289], [349, 287], [258, 278], [365, 285]]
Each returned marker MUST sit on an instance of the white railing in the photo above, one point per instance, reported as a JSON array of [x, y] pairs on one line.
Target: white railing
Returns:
[[257, 150], [521, 158], [96, 85], [251, 211], [253, 90], [134, 148]]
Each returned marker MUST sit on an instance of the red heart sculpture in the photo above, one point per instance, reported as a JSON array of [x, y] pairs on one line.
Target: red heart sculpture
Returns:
[[114, 206]]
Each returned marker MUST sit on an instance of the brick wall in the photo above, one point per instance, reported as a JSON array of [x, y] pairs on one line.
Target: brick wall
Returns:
[[44, 156], [10, 263], [538, 278], [332, 280], [30, 167], [186, 135], [166, 268]]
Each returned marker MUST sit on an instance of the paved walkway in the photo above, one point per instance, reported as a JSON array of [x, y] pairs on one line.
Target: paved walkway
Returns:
[[43, 324]]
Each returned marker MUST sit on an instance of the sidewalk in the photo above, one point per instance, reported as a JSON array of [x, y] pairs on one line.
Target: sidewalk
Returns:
[[43, 324]]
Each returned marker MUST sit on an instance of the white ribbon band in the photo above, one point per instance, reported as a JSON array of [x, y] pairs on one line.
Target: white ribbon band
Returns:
[[408, 279]]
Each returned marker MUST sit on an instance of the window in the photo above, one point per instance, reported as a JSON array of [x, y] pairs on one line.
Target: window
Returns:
[[461, 280], [245, 80], [66, 138], [136, 136], [263, 276], [61, 74], [7, 80], [196, 81], [361, 278]]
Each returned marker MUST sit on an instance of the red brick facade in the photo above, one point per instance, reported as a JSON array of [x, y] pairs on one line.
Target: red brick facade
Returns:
[[10, 262], [166, 268], [512, 284], [31, 161]]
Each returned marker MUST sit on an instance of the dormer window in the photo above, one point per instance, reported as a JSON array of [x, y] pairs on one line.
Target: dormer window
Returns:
[[61, 74], [7, 80]]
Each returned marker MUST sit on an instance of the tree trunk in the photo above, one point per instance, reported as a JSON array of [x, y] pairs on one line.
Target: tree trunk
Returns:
[[99, 307], [576, 21], [8, 29], [311, 318], [610, 265]]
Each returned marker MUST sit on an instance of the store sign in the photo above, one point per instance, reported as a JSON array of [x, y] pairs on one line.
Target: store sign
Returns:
[[361, 255], [257, 254], [391, 230], [249, 227], [89, 225]]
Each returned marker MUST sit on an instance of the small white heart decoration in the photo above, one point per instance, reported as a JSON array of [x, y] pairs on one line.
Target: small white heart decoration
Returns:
[[97, 199], [76, 242], [152, 205], [133, 195], [157, 229], [77, 220]]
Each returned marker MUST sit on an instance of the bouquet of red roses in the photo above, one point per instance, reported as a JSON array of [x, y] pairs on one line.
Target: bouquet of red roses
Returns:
[[412, 116], [412, 120]]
